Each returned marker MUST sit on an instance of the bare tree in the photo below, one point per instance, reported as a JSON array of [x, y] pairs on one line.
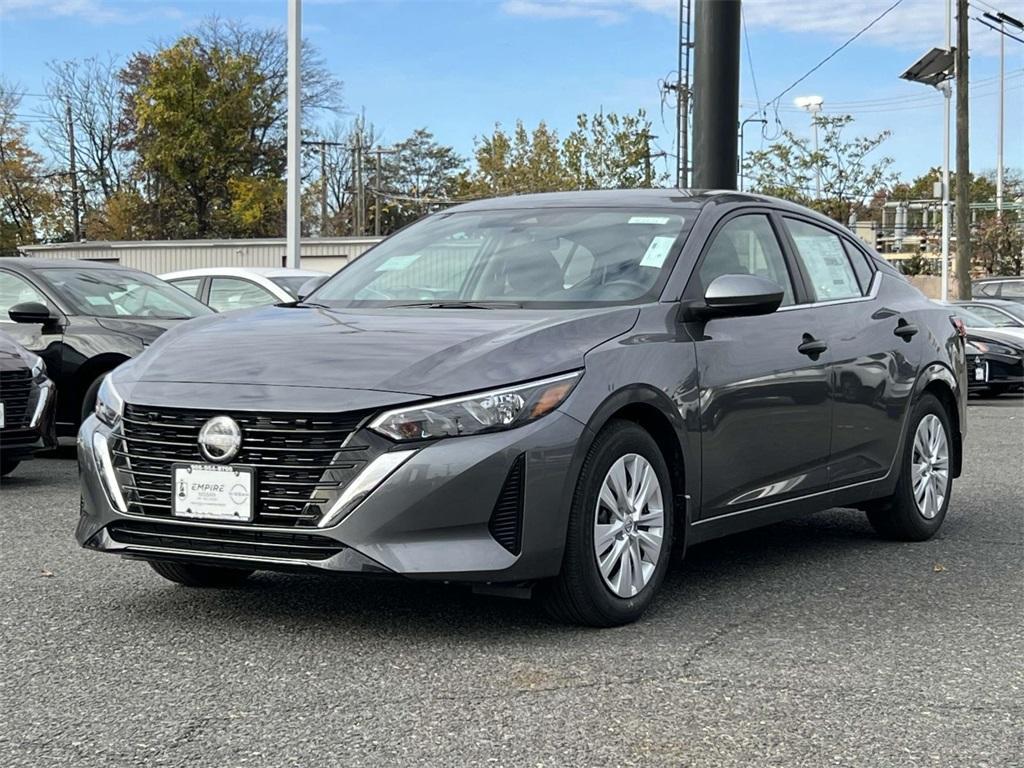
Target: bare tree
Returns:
[[86, 96]]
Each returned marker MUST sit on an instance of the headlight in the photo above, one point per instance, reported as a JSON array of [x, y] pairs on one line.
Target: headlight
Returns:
[[483, 412], [38, 368], [995, 349], [109, 404]]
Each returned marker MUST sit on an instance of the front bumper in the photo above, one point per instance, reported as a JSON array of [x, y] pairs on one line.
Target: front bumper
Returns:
[[432, 518], [996, 370]]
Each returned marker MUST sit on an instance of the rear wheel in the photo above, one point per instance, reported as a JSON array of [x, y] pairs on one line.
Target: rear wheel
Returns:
[[917, 508], [200, 575], [620, 532], [89, 401]]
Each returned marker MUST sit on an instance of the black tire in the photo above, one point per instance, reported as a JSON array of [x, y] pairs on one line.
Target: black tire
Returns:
[[208, 576], [89, 401], [898, 516], [8, 465], [579, 595]]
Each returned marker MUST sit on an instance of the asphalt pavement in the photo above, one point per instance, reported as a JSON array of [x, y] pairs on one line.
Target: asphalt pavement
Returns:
[[809, 643]]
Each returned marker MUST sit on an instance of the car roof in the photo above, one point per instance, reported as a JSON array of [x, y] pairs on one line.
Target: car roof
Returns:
[[243, 272], [988, 300], [626, 198], [998, 279], [29, 263]]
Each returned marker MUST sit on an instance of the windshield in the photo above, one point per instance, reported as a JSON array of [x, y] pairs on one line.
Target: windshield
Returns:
[[972, 320], [515, 258], [116, 293], [292, 283]]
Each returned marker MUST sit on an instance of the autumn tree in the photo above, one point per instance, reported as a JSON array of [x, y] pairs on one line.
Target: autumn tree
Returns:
[[849, 174], [27, 200], [417, 174], [998, 245]]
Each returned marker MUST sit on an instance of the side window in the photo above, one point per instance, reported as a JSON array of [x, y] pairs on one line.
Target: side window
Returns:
[[189, 285], [229, 293], [994, 316], [825, 262], [988, 289], [747, 245], [15, 290], [1013, 289], [861, 267]]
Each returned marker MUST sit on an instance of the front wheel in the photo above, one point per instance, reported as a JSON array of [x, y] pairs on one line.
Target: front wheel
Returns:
[[917, 508], [620, 531], [191, 575]]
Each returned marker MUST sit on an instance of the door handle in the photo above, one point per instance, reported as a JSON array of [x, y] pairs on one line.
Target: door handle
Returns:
[[811, 346], [905, 330]]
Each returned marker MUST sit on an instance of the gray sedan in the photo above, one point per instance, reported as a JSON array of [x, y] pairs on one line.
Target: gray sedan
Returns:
[[544, 395]]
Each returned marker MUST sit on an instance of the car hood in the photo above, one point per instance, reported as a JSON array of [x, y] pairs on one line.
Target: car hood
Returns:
[[429, 352], [1013, 337], [146, 330]]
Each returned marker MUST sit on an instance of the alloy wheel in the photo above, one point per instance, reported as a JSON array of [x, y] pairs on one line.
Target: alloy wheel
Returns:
[[629, 525], [930, 465]]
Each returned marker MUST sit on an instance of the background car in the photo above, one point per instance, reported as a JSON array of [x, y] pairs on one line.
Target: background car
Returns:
[[26, 405], [228, 288], [1002, 351], [1010, 288], [84, 319], [999, 312]]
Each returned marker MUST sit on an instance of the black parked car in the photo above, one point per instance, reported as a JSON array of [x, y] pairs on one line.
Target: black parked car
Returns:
[[84, 319], [999, 312], [1001, 348], [27, 399], [543, 393]]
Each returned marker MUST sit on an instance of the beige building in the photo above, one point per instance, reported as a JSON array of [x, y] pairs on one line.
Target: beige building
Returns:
[[326, 254]]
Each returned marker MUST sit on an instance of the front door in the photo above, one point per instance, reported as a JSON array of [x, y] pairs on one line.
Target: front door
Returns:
[[764, 382]]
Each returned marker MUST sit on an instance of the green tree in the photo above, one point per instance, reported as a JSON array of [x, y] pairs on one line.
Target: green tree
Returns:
[[609, 151], [998, 245], [790, 168], [525, 161], [417, 174]]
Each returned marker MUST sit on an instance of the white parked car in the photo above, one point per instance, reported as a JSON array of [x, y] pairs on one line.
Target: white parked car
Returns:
[[228, 288]]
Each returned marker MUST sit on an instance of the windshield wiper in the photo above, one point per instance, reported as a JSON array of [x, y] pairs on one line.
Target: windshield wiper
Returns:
[[463, 305]]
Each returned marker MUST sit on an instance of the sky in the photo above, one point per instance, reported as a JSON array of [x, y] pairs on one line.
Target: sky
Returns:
[[457, 67]]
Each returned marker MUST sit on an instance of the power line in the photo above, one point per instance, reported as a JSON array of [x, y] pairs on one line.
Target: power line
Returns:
[[836, 52], [750, 58]]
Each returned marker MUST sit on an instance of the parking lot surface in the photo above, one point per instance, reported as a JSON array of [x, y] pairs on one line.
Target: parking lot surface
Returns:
[[808, 643]]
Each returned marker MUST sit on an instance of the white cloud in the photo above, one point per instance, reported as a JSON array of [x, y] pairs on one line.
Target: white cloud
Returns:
[[92, 11], [914, 25]]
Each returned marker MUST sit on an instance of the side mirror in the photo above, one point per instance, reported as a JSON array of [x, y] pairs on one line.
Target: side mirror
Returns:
[[311, 285], [740, 296], [31, 312]]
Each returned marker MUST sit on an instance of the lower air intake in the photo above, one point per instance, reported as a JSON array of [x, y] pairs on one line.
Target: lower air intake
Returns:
[[506, 523]]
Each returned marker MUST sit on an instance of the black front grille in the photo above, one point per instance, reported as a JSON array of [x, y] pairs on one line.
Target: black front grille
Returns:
[[267, 545], [300, 461], [506, 523], [16, 392]]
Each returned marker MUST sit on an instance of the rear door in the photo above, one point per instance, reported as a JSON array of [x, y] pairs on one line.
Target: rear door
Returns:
[[230, 293], [764, 390], [875, 349]]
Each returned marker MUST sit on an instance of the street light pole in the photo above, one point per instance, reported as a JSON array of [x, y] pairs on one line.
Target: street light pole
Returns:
[[743, 125], [812, 104], [999, 134], [293, 202], [947, 94]]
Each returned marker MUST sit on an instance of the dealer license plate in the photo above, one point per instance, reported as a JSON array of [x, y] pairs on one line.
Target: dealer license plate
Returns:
[[979, 373], [211, 492]]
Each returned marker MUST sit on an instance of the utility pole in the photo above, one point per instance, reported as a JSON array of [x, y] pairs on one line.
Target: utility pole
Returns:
[[716, 93], [293, 201], [323, 187], [963, 154], [376, 194], [682, 90], [76, 226], [947, 214]]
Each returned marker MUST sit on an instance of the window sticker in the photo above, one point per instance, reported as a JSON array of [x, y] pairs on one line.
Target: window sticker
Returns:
[[398, 263], [649, 219], [657, 251]]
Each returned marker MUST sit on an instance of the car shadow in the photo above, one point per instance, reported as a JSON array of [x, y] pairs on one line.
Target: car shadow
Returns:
[[725, 571]]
